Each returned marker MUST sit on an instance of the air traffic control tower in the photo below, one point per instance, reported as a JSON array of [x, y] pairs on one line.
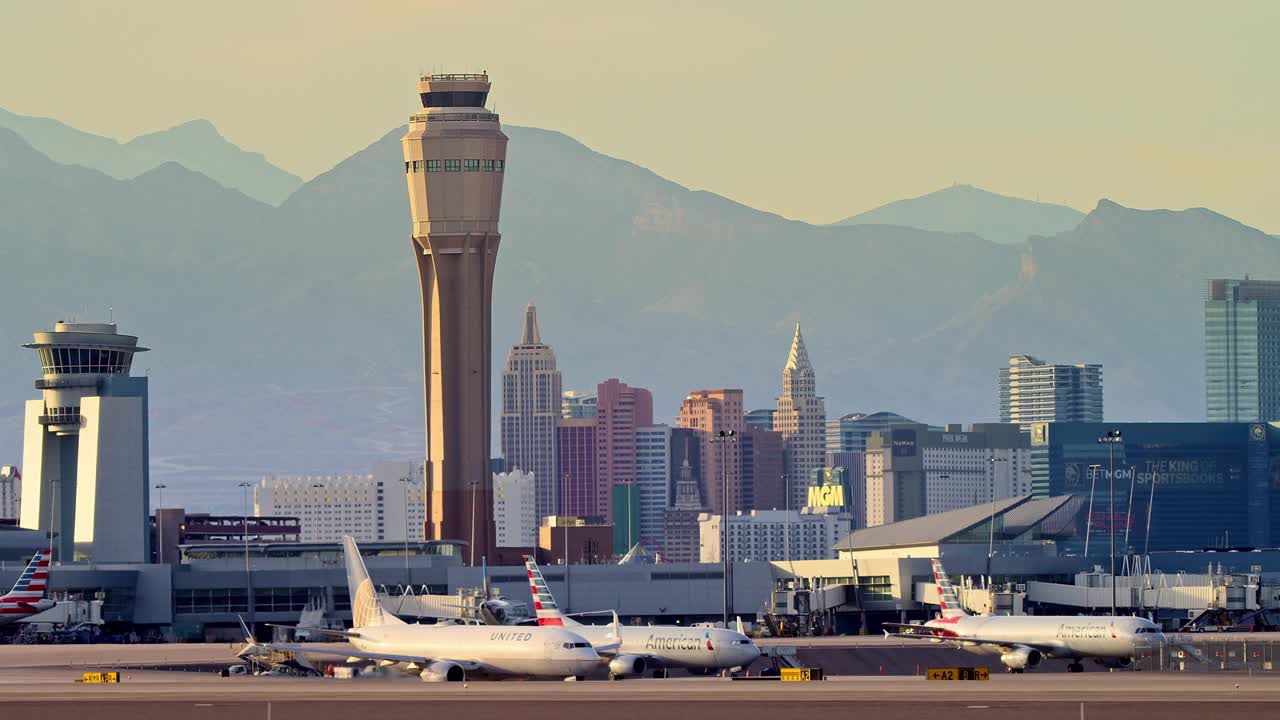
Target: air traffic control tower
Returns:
[[454, 158], [85, 450]]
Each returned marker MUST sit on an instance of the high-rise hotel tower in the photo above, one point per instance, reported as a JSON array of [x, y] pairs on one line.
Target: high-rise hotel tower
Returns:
[[454, 157]]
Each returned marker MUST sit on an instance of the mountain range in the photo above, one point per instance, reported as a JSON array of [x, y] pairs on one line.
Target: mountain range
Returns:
[[196, 145], [287, 339], [965, 208]]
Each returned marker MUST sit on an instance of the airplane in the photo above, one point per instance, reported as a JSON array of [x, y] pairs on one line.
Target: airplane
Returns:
[[1023, 641], [701, 650], [439, 653], [27, 597]]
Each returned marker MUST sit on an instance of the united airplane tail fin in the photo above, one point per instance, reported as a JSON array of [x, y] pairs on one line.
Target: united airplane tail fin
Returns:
[[366, 609], [34, 580], [544, 604], [947, 596]]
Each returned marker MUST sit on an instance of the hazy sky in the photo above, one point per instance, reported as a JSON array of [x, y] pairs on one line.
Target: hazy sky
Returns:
[[812, 110]]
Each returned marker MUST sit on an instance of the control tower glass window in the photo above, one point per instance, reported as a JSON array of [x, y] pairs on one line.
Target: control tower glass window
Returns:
[[452, 165], [454, 98], [471, 165], [433, 166]]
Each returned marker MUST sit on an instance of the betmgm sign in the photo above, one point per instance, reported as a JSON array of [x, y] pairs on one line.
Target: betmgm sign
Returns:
[[828, 489]]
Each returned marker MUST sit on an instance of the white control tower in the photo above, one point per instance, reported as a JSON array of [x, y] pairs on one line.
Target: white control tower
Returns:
[[85, 455]]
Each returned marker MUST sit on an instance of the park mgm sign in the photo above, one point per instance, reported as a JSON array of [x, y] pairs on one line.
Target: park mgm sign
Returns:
[[828, 489]]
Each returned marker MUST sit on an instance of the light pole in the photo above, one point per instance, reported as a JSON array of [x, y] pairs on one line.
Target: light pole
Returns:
[[1128, 505], [53, 519], [1151, 502], [724, 437], [991, 536], [1088, 521], [404, 485], [248, 578], [786, 484], [159, 524], [473, 523], [1111, 439]]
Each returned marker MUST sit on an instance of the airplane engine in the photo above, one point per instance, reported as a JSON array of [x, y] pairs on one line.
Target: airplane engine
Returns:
[[626, 665], [441, 671], [1019, 659], [1115, 663]]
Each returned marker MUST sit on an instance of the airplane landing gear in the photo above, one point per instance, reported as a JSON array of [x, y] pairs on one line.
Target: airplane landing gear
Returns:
[[1075, 667], [660, 673]]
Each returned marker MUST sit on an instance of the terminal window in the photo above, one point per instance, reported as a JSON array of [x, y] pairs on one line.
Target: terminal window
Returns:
[[488, 166], [497, 166], [471, 165], [452, 165], [433, 166]]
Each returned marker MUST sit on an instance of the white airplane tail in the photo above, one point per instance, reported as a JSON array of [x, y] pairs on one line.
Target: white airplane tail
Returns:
[[948, 598], [366, 609], [544, 604]]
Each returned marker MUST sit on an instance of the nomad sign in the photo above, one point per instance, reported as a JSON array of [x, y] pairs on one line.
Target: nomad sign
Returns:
[[980, 673], [100, 677]]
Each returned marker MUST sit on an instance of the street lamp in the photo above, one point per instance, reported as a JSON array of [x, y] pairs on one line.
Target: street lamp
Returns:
[[159, 524], [404, 485], [248, 579], [991, 536], [1111, 439], [723, 438], [1088, 526]]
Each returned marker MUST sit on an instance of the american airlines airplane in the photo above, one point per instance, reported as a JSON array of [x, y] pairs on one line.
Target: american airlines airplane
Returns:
[[1022, 641], [27, 597], [632, 650], [442, 652]]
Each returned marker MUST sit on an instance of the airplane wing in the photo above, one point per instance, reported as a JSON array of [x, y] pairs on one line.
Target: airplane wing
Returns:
[[347, 653], [922, 632], [363, 655], [324, 631]]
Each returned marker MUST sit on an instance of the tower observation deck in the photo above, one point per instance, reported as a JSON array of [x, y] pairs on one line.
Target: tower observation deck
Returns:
[[454, 159]]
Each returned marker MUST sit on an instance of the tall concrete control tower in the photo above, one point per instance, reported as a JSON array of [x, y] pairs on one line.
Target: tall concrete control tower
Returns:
[[454, 157]]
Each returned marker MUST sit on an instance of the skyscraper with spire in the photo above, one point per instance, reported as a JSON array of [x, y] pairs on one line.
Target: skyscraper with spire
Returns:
[[802, 420], [680, 526], [531, 413]]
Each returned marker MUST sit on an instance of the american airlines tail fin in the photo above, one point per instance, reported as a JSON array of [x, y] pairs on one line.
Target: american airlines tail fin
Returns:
[[366, 609], [949, 600], [544, 604], [34, 580]]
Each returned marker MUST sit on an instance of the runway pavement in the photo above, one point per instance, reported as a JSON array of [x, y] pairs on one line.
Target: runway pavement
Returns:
[[53, 693]]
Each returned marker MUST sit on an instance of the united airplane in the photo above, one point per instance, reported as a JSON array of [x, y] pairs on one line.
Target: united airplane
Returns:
[[27, 597], [632, 650], [441, 652], [1023, 641]]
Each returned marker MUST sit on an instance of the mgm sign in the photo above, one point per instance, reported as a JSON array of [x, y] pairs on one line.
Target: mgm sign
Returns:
[[827, 489]]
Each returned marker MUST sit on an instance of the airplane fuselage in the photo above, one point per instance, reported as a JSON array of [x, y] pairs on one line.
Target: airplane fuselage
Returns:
[[1066, 636], [677, 647], [12, 611], [499, 650]]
